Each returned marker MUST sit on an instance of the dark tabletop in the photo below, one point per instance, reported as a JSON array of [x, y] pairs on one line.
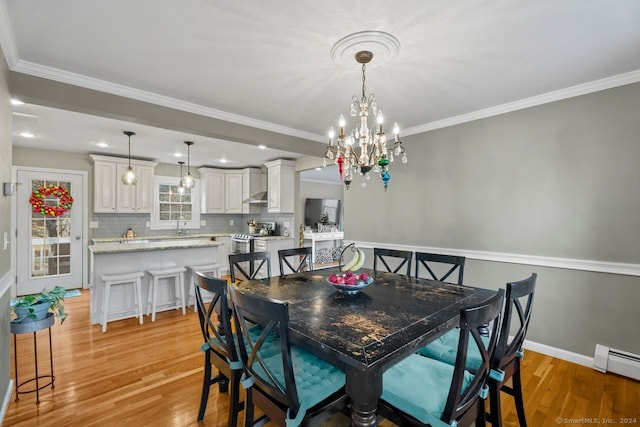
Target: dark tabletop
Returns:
[[390, 318]]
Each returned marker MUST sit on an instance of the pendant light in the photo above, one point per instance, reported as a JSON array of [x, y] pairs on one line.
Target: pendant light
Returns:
[[181, 189], [188, 181], [129, 177]]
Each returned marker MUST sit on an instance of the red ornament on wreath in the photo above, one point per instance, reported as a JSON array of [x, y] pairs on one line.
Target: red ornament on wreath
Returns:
[[65, 201]]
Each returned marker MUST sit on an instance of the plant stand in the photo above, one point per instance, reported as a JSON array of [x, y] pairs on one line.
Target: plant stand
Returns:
[[24, 328]]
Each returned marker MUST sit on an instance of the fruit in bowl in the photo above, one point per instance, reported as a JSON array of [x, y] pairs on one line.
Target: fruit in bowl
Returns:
[[350, 282]]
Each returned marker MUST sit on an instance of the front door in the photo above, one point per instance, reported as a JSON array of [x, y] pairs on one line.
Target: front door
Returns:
[[49, 230]]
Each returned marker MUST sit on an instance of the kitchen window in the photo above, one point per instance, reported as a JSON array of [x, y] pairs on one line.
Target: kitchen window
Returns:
[[172, 209]]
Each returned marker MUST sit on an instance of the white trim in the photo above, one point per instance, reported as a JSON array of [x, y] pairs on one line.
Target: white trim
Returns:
[[6, 281], [557, 95], [558, 353], [7, 41], [566, 263], [80, 80], [5, 401]]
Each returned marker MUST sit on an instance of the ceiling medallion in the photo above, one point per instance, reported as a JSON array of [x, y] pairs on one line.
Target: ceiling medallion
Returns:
[[385, 46]]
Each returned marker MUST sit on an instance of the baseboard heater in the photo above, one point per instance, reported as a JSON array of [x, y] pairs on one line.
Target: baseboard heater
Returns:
[[619, 362]]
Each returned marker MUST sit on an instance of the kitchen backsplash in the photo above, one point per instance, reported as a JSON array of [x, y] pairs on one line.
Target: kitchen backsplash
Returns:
[[115, 225]]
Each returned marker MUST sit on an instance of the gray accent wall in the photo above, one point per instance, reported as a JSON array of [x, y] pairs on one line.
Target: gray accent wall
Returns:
[[5, 226], [558, 180]]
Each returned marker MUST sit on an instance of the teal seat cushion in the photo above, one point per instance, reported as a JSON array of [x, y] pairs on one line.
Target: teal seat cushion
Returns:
[[315, 378], [420, 386], [445, 349]]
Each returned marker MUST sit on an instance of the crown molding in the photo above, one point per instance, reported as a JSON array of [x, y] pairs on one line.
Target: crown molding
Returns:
[[80, 80], [7, 41], [545, 98]]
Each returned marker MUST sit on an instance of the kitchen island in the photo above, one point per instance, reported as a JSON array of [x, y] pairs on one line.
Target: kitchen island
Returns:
[[119, 256]]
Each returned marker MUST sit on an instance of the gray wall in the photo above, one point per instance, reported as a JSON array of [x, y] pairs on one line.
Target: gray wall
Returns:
[[558, 180], [5, 226]]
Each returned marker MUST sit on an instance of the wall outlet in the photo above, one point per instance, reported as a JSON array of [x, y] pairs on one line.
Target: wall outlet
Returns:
[[230, 222], [203, 222], [94, 224], [286, 224], [5, 245], [147, 224]]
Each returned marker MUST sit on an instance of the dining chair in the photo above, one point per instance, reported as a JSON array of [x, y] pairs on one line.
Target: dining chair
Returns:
[[509, 351], [240, 263], [506, 362], [386, 255], [423, 391], [429, 261], [302, 256], [292, 386], [219, 346]]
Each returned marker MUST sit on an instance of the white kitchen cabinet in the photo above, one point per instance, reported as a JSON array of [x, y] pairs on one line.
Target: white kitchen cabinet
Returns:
[[273, 245], [212, 194], [233, 192], [280, 185], [223, 191], [112, 196]]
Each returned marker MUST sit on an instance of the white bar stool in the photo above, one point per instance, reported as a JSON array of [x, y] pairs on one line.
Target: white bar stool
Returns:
[[207, 268], [177, 274], [134, 279]]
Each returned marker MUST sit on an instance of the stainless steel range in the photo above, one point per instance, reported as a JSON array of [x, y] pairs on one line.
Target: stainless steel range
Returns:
[[242, 243]]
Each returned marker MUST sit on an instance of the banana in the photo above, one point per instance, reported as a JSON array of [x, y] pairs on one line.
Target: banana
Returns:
[[360, 262], [349, 266]]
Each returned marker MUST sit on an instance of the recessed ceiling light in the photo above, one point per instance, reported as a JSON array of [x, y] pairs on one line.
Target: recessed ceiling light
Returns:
[[102, 144], [177, 154], [223, 160], [26, 134], [318, 169], [262, 146], [16, 102]]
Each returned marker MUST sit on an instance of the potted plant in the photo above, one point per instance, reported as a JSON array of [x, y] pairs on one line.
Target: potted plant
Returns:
[[33, 307]]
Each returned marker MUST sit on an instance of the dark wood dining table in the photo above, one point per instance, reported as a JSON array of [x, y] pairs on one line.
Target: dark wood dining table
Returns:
[[366, 333]]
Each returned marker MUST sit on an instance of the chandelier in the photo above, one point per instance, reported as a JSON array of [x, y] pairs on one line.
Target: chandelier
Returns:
[[374, 155]]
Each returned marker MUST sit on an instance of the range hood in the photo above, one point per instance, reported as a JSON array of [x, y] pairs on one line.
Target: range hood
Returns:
[[260, 197]]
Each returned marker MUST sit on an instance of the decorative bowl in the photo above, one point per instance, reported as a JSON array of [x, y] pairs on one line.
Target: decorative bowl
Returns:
[[351, 289]]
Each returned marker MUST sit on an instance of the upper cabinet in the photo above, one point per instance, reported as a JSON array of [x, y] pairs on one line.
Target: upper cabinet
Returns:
[[280, 183], [223, 191], [110, 195]]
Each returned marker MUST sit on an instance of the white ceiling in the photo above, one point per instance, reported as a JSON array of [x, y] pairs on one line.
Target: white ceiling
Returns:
[[268, 64]]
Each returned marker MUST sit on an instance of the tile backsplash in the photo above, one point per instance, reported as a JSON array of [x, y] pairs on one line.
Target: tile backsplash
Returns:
[[115, 225]]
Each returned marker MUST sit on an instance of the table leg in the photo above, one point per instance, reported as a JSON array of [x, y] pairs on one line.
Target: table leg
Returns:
[[364, 389], [35, 357], [15, 364]]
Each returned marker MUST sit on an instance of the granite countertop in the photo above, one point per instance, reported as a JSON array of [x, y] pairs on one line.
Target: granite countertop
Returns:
[[168, 237], [145, 245], [267, 238]]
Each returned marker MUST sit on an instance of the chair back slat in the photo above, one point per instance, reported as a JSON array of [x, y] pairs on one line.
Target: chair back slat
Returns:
[[239, 271], [304, 258], [427, 261], [384, 255], [273, 315], [219, 339], [517, 293], [460, 401]]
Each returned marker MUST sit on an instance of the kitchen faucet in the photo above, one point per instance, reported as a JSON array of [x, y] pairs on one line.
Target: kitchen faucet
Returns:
[[179, 231]]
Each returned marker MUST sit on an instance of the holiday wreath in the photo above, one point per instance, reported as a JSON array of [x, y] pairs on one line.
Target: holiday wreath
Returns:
[[37, 200]]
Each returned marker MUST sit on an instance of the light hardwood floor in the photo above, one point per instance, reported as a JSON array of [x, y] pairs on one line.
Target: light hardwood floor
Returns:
[[151, 374]]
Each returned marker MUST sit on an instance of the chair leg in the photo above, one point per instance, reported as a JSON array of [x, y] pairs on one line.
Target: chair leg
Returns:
[[248, 408], [517, 396], [206, 385], [481, 416], [234, 399], [154, 299], [494, 404], [180, 280], [138, 293], [105, 306]]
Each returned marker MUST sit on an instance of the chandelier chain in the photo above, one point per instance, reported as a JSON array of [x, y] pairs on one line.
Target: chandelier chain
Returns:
[[364, 87]]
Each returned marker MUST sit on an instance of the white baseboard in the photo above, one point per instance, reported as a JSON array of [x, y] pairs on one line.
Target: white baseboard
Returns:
[[559, 353], [5, 401]]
